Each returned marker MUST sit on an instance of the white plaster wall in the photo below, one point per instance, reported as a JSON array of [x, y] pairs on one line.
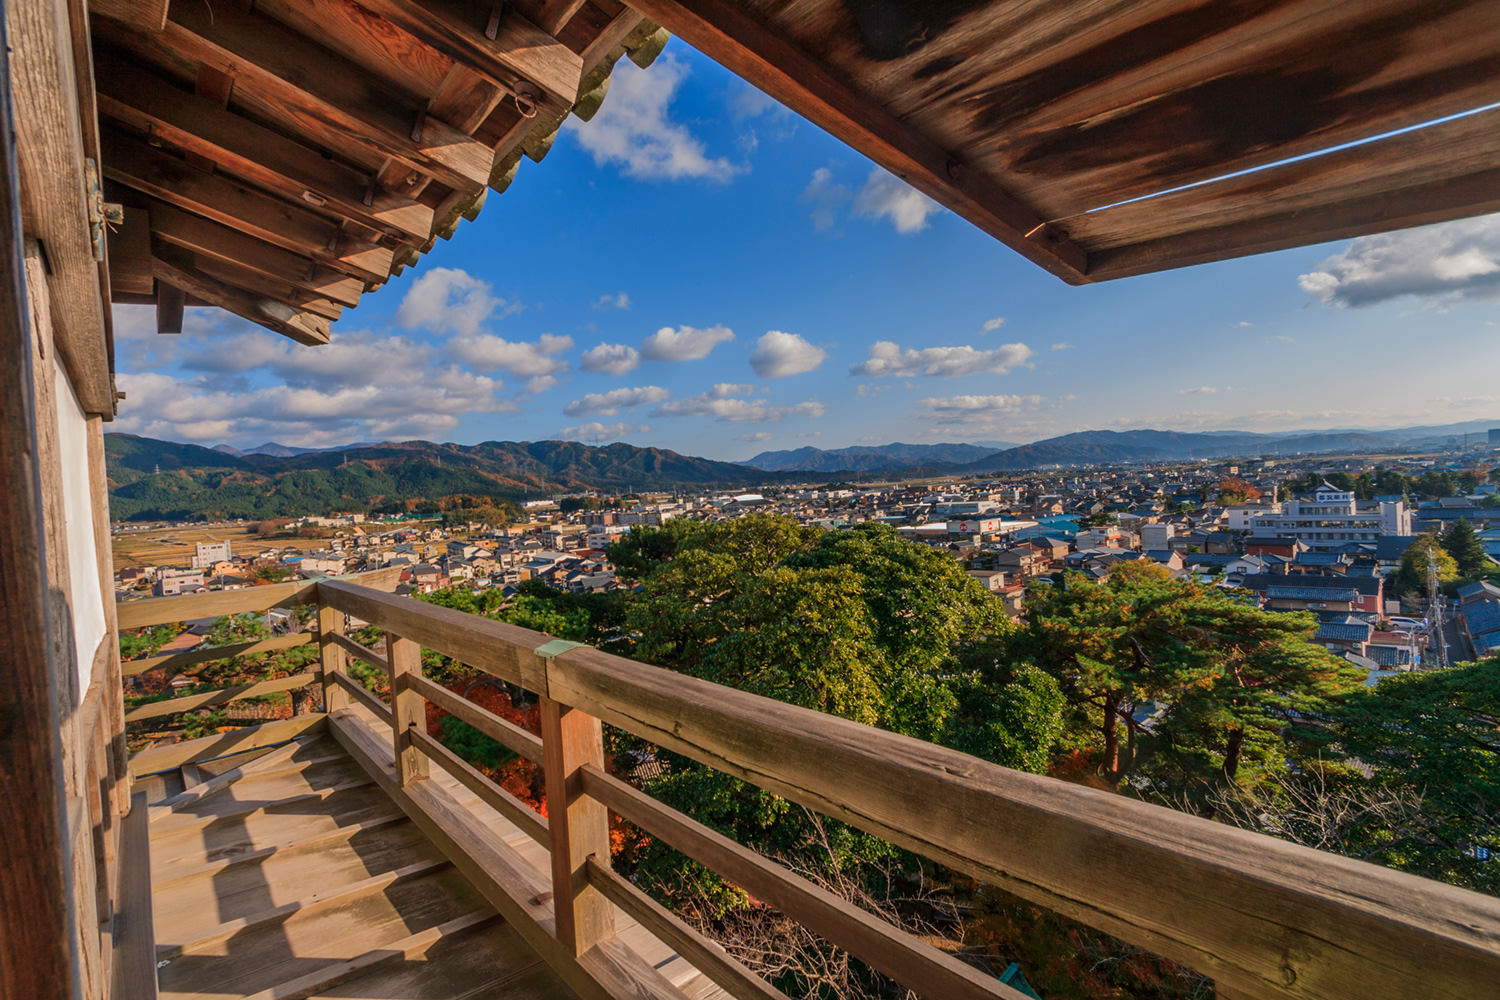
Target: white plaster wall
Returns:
[[78, 525]]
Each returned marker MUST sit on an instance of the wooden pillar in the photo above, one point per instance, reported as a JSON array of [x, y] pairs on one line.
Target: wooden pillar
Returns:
[[578, 825], [408, 708], [35, 929], [332, 656]]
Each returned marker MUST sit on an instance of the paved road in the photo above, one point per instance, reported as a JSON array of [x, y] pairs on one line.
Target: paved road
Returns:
[[1459, 649]]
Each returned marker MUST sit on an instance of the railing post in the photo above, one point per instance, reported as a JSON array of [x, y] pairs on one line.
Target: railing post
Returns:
[[408, 707], [578, 825], [332, 657]]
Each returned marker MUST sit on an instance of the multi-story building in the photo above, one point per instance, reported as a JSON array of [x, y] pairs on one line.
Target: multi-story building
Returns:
[[205, 554], [1333, 519]]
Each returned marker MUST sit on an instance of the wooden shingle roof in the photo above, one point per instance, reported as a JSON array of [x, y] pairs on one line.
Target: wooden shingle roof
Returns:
[[1105, 138], [279, 159]]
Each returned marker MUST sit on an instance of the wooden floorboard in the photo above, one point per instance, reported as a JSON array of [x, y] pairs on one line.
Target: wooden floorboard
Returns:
[[293, 876]]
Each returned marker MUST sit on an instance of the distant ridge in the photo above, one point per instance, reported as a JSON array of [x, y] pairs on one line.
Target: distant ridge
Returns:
[[875, 459], [194, 482]]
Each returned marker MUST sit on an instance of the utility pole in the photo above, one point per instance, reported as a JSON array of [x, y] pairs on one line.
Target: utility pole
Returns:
[[1435, 607]]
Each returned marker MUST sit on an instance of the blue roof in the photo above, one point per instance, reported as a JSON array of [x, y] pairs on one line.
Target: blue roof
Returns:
[[1389, 656], [1482, 616], [1344, 633], [1310, 594]]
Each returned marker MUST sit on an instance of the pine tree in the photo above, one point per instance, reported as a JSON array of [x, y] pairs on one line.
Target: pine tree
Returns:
[[1461, 543]]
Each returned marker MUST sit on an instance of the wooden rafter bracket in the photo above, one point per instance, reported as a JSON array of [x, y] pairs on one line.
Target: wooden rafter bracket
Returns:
[[174, 267], [292, 76]]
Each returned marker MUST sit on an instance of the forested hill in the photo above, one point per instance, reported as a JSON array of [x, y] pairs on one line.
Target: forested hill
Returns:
[[163, 480]]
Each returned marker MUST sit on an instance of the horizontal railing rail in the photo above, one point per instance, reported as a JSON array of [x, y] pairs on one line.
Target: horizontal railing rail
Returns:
[[1262, 917], [150, 612]]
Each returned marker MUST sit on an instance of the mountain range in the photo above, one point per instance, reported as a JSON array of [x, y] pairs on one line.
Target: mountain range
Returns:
[[164, 480], [1109, 447]]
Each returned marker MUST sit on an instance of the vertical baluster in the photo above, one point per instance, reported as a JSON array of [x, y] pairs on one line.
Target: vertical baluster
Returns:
[[408, 708], [578, 824], [332, 656]]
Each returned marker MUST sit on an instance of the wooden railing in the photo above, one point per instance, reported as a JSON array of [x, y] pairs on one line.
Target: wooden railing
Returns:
[[1262, 917]]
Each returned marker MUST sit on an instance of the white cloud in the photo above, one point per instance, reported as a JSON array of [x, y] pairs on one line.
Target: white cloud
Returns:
[[634, 129], [826, 198], [1062, 345], [608, 404], [1442, 264], [720, 403], [529, 358], [887, 358], [1246, 322], [756, 436], [887, 196], [391, 403], [540, 383], [778, 354], [612, 359], [684, 343], [619, 300], [1002, 403], [991, 325], [1200, 390], [449, 299], [599, 433]]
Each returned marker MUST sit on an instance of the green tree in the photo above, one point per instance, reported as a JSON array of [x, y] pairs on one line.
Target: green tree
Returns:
[[1434, 735], [1412, 575], [1221, 678], [1460, 542]]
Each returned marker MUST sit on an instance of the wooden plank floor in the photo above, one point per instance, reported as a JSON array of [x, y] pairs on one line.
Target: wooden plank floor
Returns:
[[294, 876]]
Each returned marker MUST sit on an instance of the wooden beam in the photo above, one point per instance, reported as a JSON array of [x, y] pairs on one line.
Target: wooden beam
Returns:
[[268, 287], [726, 32], [709, 956], [204, 236], [408, 707], [148, 14], [555, 14], [130, 257], [176, 663], [577, 824], [374, 659], [475, 780], [175, 268], [55, 192], [500, 730], [519, 50], [152, 105], [880, 944], [331, 657], [223, 696], [295, 78], [34, 919], [159, 175], [170, 303], [133, 968]]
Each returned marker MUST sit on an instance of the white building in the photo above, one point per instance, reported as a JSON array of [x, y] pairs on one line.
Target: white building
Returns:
[[1333, 519], [205, 554]]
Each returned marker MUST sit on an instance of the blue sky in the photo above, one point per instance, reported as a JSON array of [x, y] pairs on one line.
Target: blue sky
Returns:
[[699, 269]]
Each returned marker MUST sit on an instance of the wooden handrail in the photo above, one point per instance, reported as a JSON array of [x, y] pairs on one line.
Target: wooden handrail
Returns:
[[533, 824], [502, 731], [221, 696], [364, 696], [175, 663], [359, 652], [710, 958], [1262, 917], [217, 603], [877, 943]]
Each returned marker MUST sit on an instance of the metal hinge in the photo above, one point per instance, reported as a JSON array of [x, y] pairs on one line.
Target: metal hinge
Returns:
[[102, 214]]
